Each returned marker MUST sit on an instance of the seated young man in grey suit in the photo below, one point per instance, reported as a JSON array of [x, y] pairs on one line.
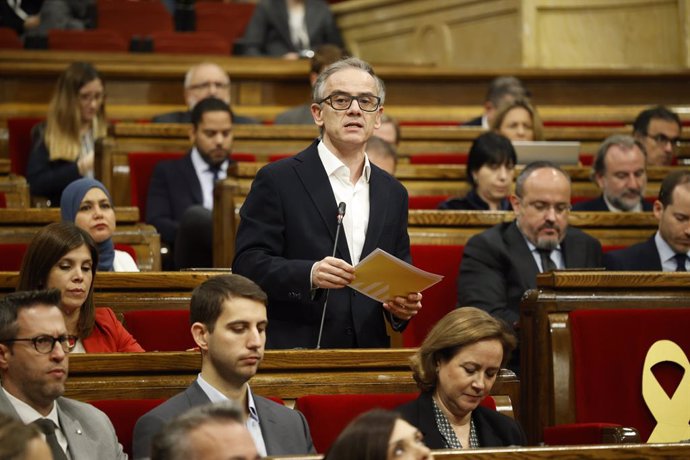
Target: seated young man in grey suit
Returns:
[[228, 316], [34, 351]]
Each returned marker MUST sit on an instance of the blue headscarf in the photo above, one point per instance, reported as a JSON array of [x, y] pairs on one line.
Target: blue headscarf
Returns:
[[71, 198]]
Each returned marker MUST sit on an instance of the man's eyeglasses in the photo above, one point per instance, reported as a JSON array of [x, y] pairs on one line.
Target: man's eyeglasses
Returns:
[[45, 343], [339, 101], [661, 140], [207, 85], [542, 207]]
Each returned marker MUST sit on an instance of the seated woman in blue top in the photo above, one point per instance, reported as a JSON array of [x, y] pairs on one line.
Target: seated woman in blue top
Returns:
[[63, 148], [87, 204], [490, 171], [455, 368]]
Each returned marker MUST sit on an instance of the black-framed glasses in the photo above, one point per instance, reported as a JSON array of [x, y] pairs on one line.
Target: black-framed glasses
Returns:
[[661, 140], [45, 343], [342, 101]]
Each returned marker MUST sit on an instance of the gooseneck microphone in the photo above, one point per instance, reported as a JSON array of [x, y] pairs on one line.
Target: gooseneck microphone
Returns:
[[341, 214]]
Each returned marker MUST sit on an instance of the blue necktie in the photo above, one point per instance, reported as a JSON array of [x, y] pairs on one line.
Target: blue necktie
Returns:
[[680, 261]]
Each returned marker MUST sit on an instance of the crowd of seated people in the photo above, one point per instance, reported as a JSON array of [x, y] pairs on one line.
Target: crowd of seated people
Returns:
[[456, 365]]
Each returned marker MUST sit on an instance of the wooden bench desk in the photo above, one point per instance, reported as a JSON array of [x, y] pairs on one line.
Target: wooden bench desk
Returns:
[[546, 354], [287, 374], [20, 225], [14, 188]]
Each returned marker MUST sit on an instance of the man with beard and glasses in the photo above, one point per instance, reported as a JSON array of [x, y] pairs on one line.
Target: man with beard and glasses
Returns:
[[620, 171], [501, 263], [180, 197], [668, 249]]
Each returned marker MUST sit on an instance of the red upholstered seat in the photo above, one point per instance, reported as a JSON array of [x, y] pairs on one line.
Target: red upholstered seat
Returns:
[[328, 415], [279, 156], [19, 142], [248, 157], [124, 413], [12, 255], [141, 165], [128, 249], [426, 201], [87, 40], [609, 349], [229, 20], [439, 158], [160, 330], [190, 43], [441, 297], [9, 40], [134, 17]]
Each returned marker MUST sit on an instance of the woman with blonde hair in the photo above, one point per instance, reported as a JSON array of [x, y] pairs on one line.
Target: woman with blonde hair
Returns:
[[455, 368], [63, 149], [518, 120]]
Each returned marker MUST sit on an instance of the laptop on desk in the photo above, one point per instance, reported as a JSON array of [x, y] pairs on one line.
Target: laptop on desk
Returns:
[[559, 152]]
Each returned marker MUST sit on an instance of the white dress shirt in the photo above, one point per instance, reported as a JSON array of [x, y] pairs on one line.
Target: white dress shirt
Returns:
[[205, 175], [28, 414], [667, 255], [253, 423], [556, 256]]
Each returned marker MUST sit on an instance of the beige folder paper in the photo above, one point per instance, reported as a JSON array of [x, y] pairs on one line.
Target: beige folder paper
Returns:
[[382, 276]]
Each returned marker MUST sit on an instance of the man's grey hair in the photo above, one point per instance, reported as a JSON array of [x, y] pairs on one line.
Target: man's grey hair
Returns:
[[349, 63], [172, 443], [623, 141], [529, 169], [501, 87], [190, 73]]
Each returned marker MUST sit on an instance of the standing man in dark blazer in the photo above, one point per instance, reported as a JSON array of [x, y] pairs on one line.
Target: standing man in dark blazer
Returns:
[[180, 198], [228, 316], [288, 223], [668, 250], [501, 263], [620, 171]]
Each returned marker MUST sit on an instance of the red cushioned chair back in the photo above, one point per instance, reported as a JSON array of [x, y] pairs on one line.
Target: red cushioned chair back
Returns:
[[426, 201], [160, 330], [9, 40], [3, 200], [129, 18], [609, 349], [228, 20], [439, 158], [328, 415], [87, 40], [440, 298], [244, 157], [128, 249], [124, 413], [19, 142], [141, 166], [12, 255]]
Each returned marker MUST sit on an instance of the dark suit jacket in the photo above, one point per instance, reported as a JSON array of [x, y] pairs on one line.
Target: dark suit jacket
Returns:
[[497, 267], [493, 429], [186, 117], [87, 429], [300, 115], [285, 431], [268, 33], [174, 187], [638, 257], [474, 122], [45, 177], [287, 223], [599, 204]]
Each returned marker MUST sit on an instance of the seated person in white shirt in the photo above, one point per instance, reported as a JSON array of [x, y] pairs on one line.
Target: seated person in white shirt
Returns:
[[228, 316], [668, 248]]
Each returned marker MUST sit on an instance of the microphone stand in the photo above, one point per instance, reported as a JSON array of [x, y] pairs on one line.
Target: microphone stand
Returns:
[[341, 215]]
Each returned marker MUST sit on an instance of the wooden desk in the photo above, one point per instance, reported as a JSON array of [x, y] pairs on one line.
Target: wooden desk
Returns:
[[287, 374], [20, 225], [15, 188], [546, 366]]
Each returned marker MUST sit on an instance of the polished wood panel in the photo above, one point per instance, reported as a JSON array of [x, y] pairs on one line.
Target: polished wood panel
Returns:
[[545, 360], [15, 189]]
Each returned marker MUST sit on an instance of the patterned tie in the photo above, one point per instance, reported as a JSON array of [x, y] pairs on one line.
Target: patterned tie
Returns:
[[547, 264], [680, 261], [47, 427]]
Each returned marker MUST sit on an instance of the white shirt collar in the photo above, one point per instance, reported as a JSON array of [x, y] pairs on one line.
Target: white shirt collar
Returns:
[[666, 253], [27, 413], [202, 167], [612, 208], [332, 163]]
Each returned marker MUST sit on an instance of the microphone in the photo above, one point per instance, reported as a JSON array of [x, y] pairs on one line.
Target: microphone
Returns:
[[341, 215]]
